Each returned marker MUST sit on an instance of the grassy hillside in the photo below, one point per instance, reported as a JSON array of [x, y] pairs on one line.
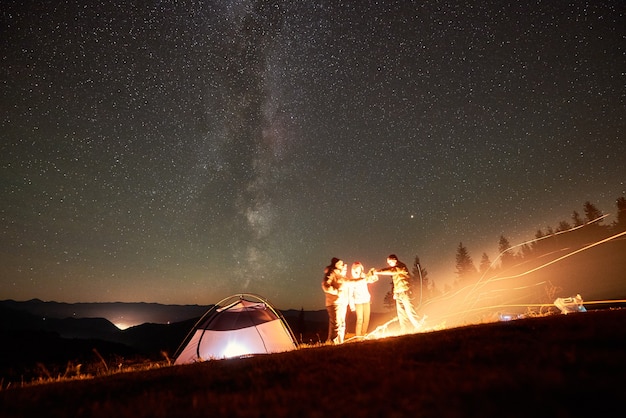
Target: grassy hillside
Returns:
[[558, 366]]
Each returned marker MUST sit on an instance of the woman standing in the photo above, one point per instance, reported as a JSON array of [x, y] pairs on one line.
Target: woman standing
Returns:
[[360, 298]]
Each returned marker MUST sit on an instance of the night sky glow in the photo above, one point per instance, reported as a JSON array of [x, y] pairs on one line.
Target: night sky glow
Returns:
[[180, 152]]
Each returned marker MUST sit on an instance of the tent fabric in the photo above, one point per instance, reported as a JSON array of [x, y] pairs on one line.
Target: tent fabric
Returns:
[[243, 314], [240, 325]]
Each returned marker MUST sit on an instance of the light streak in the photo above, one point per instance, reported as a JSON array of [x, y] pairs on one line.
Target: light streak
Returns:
[[604, 302], [570, 254], [528, 305], [537, 240], [473, 296], [482, 282], [556, 260]]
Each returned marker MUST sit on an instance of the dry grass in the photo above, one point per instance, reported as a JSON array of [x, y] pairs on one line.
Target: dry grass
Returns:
[[555, 366]]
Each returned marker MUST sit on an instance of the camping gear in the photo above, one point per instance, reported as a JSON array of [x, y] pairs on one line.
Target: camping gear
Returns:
[[238, 326], [570, 305]]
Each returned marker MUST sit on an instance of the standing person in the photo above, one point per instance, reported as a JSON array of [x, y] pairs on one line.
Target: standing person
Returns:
[[401, 293], [336, 299], [359, 296]]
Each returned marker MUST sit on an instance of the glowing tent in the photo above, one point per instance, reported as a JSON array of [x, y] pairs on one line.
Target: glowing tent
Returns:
[[239, 325]]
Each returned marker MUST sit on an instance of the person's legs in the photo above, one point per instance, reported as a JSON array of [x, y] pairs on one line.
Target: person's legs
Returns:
[[332, 322], [366, 318], [358, 331], [409, 314], [341, 322], [402, 316]]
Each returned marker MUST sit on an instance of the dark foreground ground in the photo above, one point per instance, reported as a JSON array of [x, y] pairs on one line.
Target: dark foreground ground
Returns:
[[556, 366]]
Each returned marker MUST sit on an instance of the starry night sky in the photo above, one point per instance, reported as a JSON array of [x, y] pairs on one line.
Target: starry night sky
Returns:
[[180, 152]]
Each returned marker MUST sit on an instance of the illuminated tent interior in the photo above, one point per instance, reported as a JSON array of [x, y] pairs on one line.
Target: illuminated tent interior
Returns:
[[240, 325]]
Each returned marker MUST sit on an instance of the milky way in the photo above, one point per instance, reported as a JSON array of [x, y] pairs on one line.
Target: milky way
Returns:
[[179, 152]]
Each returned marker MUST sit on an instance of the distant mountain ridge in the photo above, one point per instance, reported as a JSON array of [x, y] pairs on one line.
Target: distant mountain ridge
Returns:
[[122, 314], [38, 334], [152, 326], [31, 341]]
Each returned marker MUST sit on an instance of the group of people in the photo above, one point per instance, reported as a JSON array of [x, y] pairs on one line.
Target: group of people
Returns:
[[343, 291]]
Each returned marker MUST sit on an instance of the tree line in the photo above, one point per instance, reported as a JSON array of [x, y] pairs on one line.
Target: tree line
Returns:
[[578, 232]]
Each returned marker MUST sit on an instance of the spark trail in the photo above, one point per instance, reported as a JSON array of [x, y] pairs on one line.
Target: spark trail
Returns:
[[485, 300]]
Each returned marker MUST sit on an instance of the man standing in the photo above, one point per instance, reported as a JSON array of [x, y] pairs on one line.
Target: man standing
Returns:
[[401, 293], [336, 299]]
